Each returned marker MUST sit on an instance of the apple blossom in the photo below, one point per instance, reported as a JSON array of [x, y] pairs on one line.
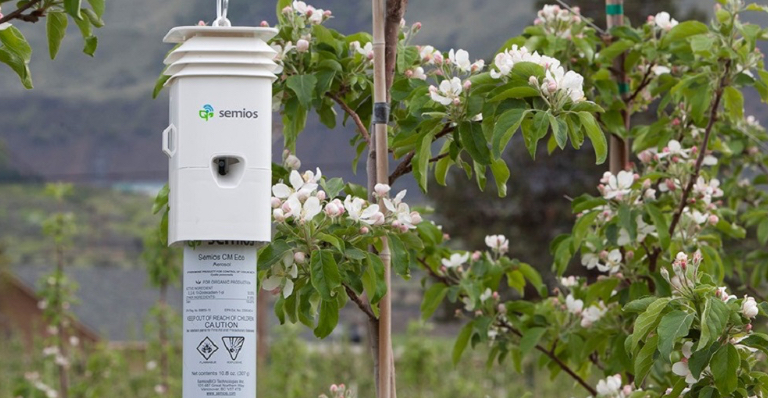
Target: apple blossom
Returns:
[[593, 314], [278, 215], [749, 307], [366, 51], [681, 368], [497, 243], [722, 293], [663, 20], [303, 212], [618, 185], [381, 189], [418, 73], [456, 260], [486, 295], [659, 70], [460, 59], [674, 148], [302, 45], [570, 281], [609, 387], [573, 305], [448, 92], [299, 257], [282, 274]]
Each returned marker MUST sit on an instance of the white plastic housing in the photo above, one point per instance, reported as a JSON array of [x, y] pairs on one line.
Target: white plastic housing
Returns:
[[220, 109]]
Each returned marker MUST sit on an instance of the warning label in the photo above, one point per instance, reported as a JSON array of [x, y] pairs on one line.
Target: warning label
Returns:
[[219, 321]]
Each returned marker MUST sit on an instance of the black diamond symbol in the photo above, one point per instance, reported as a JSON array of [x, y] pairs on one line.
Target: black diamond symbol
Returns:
[[206, 348]]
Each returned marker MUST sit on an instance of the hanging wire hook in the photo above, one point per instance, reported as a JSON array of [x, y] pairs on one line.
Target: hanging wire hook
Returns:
[[222, 7]]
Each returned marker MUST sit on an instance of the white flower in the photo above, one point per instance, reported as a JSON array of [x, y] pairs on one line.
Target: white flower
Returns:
[[664, 21], [573, 305], [448, 91], [659, 70], [643, 230], [366, 51], [612, 264], [593, 314], [486, 295], [334, 209], [570, 281], [406, 217], [317, 16], [381, 189], [370, 215], [151, 365], [749, 307], [306, 211], [497, 243], [681, 368], [590, 260], [283, 273], [302, 45], [461, 59], [282, 50], [723, 294], [298, 183], [292, 162], [74, 341], [708, 190], [428, 54], [456, 260], [609, 386], [418, 73], [301, 7], [619, 185], [674, 148]]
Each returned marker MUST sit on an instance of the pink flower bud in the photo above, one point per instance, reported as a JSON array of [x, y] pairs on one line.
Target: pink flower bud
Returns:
[[604, 254], [636, 176], [276, 202], [201, 23], [438, 58], [629, 255], [552, 87], [713, 219], [501, 308], [408, 73], [302, 45], [404, 228], [364, 230], [576, 9], [299, 257], [457, 101], [415, 218], [533, 81], [495, 295], [749, 327], [646, 184], [287, 10], [396, 224], [310, 11], [438, 72], [417, 26], [675, 159], [670, 184], [264, 24], [476, 255], [537, 21], [327, 13], [321, 195], [443, 269], [285, 208], [446, 237], [369, 55], [381, 189], [334, 388], [676, 122], [278, 215], [467, 85], [651, 19]]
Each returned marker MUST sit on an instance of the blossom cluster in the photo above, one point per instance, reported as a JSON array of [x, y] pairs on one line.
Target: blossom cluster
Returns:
[[590, 315], [453, 74], [35, 379], [557, 84], [558, 21], [301, 17], [611, 387], [662, 21]]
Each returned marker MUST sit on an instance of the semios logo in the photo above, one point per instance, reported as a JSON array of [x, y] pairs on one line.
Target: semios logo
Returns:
[[206, 113]]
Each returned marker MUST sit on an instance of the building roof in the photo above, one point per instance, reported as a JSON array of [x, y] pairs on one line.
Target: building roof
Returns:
[[114, 302]]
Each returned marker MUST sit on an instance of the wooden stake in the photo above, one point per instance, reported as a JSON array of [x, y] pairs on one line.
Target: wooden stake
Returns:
[[619, 148], [381, 114]]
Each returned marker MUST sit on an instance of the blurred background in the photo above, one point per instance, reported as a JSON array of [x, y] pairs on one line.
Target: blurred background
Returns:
[[93, 123]]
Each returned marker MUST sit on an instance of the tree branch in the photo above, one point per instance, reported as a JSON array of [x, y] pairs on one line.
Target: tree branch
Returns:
[[365, 307], [18, 13], [353, 115], [702, 149], [643, 84], [406, 167], [554, 358], [394, 14]]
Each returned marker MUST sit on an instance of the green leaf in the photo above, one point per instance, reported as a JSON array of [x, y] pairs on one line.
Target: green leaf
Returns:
[[332, 240], [18, 65], [530, 339], [648, 320], [474, 143], [159, 85], [161, 199], [534, 278], [713, 321], [56, 27], [725, 368], [505, 128], [324, 274], [607, 54], [700, 359], [327, 319], [401, 259], [644, 360], [15, 42], [601, 289], [673, 326], [595, 135], [560, 132], [516, 92], [303, 86], [535, 131], [271, 254], [661, 225], [72, 7], [734, 102], [683, 30], [432, 299], [762, 232], [501, 175], [461, 342], [421, 161], [639, 305], [91, 43], [98, 6], [95, 19], [86, 29]]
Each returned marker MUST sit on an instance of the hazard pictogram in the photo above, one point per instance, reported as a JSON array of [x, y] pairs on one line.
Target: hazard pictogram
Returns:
[[233, 344], [206, 348]]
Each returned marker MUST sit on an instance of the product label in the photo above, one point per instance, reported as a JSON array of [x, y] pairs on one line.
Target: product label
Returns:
[[219, 320]]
